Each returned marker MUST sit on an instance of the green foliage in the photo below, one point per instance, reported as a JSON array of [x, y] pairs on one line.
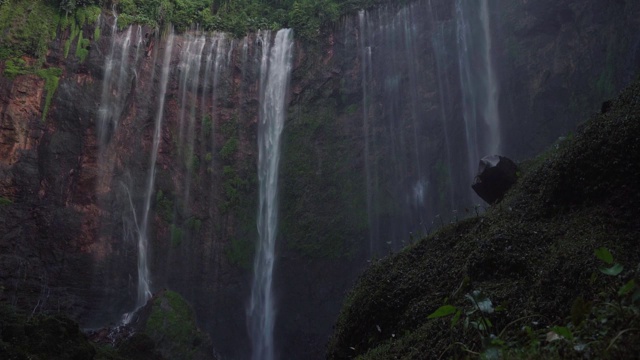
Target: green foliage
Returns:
[[475, 316], [5, 201], [229, 149], [51, 77], [176, 235], [306, 17], [324, 204], [164, 206], [207, 123], [240, 252], [194, 224], [193, 162], [82, 48], [233, 186], [606, 256], [444, 310], [26, 28], [15, 67], [171, 325]]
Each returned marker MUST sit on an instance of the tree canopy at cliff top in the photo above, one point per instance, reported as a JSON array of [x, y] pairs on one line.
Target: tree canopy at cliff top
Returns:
[[235, 16]]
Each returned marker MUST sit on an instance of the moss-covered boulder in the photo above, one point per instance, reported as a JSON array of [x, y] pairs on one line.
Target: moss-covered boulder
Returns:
[[169, 321], [532, 256]]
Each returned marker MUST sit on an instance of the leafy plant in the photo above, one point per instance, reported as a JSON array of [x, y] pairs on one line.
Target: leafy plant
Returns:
[[604, 255], [474, 316]]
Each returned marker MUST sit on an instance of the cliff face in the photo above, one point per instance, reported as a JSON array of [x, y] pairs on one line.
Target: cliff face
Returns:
[[376, 145]]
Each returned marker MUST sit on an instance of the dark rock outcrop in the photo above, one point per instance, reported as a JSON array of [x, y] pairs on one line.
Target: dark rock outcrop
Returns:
[[496, 175]]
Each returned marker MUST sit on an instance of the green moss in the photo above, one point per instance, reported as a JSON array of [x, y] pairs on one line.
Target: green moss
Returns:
[[194, 224], [164, 206], [125, 20], [229, 149], [82, 47], [176, 235], [240, 253], [15, 67], [323, 200], [351, 109], [51, 77], [233, 186], [67, 47], [75, 31], [27, 27], [5, 201], [171, 325], [207, 126], [96, 34], [193, 163]]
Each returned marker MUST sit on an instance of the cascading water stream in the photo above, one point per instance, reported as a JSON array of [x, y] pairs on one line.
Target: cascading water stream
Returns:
[[106, 112], [396, 155], [144, 281], [275, 73], [365, 66], [479, 88], [190, 63], [444, 90], [491, 113]]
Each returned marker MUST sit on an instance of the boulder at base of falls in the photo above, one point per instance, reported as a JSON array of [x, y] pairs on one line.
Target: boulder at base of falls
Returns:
[[169, 321], [165, 328], [496, 175]]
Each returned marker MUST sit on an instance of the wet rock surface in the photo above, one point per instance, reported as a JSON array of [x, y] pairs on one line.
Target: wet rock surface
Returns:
[[496, 175]]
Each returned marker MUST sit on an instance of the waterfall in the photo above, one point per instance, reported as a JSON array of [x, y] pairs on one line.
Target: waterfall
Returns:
[[113, 97], [491, 114], [144, 281], [365, 67], [442, 55], [190, 63], [479, 88], [395, 123], [275, 72]]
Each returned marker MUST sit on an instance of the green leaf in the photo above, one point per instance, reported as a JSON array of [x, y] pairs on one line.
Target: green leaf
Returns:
[[563, 331], [444, 310], [487, 322], [627, 288], [480, 301], [456, 318], [604, 255], [612, 271]]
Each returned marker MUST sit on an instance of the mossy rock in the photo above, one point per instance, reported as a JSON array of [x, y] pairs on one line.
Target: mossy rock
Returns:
[[169, 321]]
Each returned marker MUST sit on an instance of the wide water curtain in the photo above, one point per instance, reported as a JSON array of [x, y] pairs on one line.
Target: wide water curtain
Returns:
[[275, 73]]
